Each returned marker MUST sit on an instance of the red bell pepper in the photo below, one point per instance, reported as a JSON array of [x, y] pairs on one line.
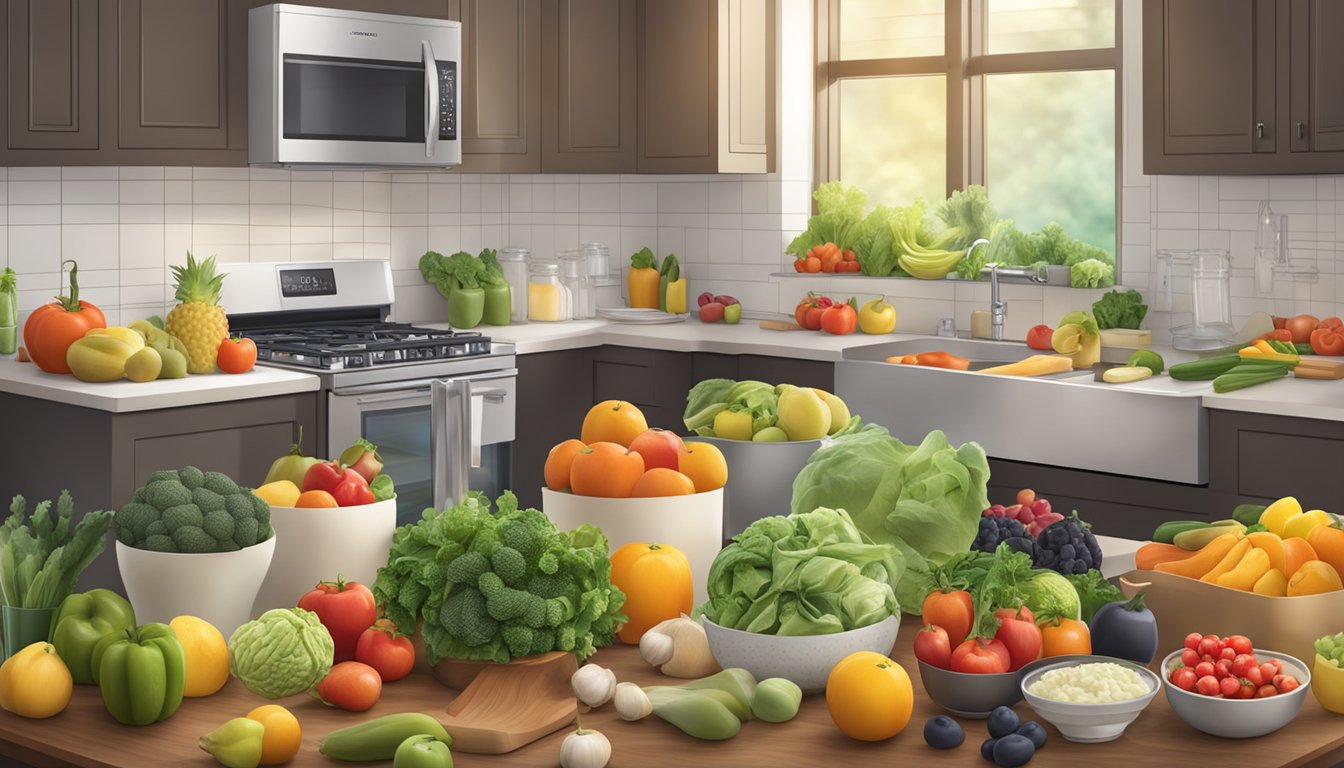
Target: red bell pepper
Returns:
[[347, 486], [346, 609], [324, 476]]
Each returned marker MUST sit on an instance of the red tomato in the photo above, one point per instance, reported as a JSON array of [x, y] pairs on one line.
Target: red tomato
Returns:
[[1184, 678], [1039, 337], [236, 355], [1280, 322], [324, 476], [1239, 643], [1331, 322], [812, 320], [1265, 691], [1222, 669], [1227, 653], [1019, 634], [932, 647], [1192, 641], [353, 490], [1208, 646], [1278, 334], [1205, 669], [1270, 668], [345, 608], [389, 652], [1287, 684], [1254, 675], [800, 265], [813, 264], [53, 327], [1327, 341], [839, 319], [1247, 690], [1207, 685], [952, 611], [1189, 658], [1229, 687], [351, 685], [1242, 663], [980, 656]]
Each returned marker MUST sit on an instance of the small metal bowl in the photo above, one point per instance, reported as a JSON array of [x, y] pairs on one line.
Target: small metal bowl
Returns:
[[970, 695]]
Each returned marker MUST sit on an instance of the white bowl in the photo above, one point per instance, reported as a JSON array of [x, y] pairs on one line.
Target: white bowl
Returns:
[[805, 659], [692, 524], [218, 586], [1090, 723], [1239, 718], [321, 543]]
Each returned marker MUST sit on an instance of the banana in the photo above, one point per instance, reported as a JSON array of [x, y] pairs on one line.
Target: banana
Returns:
[[1198, 538]]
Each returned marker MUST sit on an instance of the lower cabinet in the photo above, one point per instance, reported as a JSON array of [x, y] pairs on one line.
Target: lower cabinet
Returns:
[[102, 457], [1256, 458]]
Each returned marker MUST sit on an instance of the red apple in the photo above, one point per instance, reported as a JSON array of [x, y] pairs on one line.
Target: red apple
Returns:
[[659, 448], [711, 312]]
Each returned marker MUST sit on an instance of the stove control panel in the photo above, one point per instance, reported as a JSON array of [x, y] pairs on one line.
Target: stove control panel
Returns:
[[307, 282]]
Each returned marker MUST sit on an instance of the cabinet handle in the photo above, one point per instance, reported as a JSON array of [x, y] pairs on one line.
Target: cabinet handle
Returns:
[[1259, 130], [1301, 130]]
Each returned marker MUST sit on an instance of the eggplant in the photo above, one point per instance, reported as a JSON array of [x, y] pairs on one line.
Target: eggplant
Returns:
[[1125, 630]]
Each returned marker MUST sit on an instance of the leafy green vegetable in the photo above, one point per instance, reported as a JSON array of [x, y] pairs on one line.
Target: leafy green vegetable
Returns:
[[491, 587], [9, 311], [491, 272], [970, 265], [875, 248], [1091, 273], [968, 215], [838, 220], [1093, 591], [1001, 586], [705, 401], [461, 270], [1120, 309], [42, 558], [811, 573], [1048, 594], [382, 487], [282, 652], [925, 500]]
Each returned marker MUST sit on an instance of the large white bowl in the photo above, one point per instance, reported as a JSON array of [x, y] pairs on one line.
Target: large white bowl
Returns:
[[805, 659], [321, 543], [692, 524], [218, 587], [1239, 718], [1089, 723]]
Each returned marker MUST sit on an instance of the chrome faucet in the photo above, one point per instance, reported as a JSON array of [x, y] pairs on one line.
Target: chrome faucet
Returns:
[[998, 308]]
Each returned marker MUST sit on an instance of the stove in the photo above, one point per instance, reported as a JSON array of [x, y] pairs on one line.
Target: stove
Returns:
[[332, 347]]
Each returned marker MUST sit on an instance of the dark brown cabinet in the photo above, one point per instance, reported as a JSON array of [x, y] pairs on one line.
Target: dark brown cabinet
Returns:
[[501, 85], [588, 102], [51, 74], [1242, 86]]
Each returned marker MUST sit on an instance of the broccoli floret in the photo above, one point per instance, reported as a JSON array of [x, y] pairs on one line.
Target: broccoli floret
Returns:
[[535, 615], [125, 536], [260, 509], [547, 585], [519, 639], [508, 604], [523, 536], [207, 500], [490, 584], [140, 496], [183, 514], [191, 477], [133, 518], [264, 532], [245, 532], [162, 475], [190, 538], [467, 568], [510, 565], [220, 483], [239, 507], [227, 545], [156, 528], [167, 493], [464, 617], [219, 524], [160, 544]]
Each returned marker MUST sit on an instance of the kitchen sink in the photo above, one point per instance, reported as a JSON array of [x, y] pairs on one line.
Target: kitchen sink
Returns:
[[1065, 419]]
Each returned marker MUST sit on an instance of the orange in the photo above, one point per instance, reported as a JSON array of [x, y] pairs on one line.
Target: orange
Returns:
[[316, 499], [613, 421], [661, 481], [558, 463], [283, 735], [1313, 578], [1328, 543], [206, 653], [705, 465], [656, 580], [869, 696], [605, 469], [1296, 552]]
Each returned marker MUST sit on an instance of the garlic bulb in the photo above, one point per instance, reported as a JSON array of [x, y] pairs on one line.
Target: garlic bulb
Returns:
[[680, 647], [593, 685], [632, 703], [585, 748]]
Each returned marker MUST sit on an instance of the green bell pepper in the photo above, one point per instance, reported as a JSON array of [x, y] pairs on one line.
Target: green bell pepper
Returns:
[[498, 304], [422, 752], [466, 306], [141, 673], [83, 620]]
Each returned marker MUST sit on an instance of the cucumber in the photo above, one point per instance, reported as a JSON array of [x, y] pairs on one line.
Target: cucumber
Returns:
[[1206, 369], [1248, 514], [379, 738], [1166, 532], [1198, 538]]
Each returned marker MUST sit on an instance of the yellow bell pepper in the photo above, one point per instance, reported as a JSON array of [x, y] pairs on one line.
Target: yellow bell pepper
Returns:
[[676, 296], [1253, 565], [1276, 515], [1300, 526]]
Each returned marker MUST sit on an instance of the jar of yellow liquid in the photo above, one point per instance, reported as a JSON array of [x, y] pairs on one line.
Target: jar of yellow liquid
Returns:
[[547, 299]]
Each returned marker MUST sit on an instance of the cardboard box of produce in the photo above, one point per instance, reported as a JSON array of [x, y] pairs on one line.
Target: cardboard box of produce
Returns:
[[1285, 624]]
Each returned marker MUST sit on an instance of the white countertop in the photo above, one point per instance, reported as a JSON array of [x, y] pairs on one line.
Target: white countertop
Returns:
[[1304, 398], [126, 396]]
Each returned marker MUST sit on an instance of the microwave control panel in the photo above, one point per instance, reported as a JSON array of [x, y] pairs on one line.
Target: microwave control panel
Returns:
[[447, 100]]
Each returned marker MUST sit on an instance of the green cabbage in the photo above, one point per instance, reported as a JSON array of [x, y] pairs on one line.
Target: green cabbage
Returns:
[[811, 573], [1048, 594], [925, 501], [282, 652]]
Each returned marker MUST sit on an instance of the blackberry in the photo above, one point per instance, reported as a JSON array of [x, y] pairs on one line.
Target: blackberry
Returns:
[[1068, 547], [994, 530]]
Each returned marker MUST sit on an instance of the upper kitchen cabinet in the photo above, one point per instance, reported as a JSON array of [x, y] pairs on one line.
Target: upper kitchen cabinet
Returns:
[[588, 103], [1242, 86], [706, 86], [51, 74], [501, 85]]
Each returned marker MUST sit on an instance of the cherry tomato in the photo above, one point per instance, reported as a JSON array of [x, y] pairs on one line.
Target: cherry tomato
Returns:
[[1242, 663], [1277, 681], [1038, 337], [1205, 669], [1223, 669], [1184, 678], [1189, 658], [1207, 685], [389, 652], [1270, 668], [932, 647], [1209, 646], [1229, 687], [1227, 653], [1253, 674], [1265, 691], [1239, 643], [953, 611], [1247, 690], [980, 656], [1287, 684], [1192, 641], [351, 686]]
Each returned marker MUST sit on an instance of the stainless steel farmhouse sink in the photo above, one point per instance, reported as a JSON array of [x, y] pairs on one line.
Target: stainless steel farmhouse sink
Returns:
[[1063, 419]]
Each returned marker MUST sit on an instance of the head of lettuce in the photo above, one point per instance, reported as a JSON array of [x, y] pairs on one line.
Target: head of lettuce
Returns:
[[925, 500]]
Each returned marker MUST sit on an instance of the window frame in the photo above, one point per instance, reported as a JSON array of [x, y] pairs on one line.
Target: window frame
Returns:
[[964, 64]]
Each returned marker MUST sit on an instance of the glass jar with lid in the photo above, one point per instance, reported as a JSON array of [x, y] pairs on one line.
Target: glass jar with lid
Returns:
[[599, 263], [547, 299], [514, 262], [574, 276]]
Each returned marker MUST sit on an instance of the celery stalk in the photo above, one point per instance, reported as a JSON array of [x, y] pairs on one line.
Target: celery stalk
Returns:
[[9, 312]]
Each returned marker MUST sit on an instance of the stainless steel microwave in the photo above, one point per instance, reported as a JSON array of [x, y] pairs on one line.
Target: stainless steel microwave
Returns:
[[331, 88]]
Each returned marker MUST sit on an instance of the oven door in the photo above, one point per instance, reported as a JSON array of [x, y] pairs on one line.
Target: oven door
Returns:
[[434, 446]]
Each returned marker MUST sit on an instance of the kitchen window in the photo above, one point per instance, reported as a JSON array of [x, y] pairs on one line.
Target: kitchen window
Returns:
[[917, 98]]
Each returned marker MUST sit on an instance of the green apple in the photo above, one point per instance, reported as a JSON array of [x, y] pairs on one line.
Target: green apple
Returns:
[[770, 435], [732, 313]]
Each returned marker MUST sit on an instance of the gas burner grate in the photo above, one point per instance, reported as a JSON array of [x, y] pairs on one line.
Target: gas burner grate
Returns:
[[363, 345]]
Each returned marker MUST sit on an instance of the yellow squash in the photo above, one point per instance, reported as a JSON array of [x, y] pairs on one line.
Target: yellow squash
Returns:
[[1036, 365], [99, 357]]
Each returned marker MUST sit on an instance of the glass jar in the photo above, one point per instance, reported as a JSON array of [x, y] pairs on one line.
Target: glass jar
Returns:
[[547, 299], [574, 276], [599, 263], [514, 262]]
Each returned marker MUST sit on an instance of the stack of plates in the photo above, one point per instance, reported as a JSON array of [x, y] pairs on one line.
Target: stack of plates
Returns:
[[638, 316]]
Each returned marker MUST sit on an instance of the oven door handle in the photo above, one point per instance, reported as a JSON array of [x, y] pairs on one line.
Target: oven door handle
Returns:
[[417, 394], [431, 98]]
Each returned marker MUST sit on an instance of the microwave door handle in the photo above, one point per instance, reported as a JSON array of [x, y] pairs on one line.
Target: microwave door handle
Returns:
[[431, 99]]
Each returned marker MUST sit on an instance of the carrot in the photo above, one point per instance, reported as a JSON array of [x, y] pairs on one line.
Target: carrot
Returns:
[[943, 360], [1152, 553], [1202, 561]]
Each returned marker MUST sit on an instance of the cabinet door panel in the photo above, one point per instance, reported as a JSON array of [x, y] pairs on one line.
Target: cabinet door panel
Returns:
[[52, 74], [588, 105], [501, 85], [677, 66], [1317, 111], [746, 87]]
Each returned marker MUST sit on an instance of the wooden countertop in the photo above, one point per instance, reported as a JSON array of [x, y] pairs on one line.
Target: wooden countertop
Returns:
[[85, 735]]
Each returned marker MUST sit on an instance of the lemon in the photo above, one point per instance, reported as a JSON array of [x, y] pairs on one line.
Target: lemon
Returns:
[[206, 653]]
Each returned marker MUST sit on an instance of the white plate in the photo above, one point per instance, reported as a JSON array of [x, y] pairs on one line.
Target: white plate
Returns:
[[639, 316]]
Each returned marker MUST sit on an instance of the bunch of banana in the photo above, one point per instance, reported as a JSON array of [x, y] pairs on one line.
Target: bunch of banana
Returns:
[[925, 263]]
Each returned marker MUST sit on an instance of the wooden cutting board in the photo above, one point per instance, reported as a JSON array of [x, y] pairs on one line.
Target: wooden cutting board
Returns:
[[507, 706], [1318, 369], [780, 325]]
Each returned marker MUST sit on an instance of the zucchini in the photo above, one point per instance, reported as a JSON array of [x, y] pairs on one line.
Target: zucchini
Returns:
[[1243, 376], [1248, 514], [1206, 369], [379, 738]]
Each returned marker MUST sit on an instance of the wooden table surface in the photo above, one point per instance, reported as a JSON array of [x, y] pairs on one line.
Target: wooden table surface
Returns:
[[85, 735]]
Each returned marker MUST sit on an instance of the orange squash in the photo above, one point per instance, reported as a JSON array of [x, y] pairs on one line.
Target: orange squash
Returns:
[[1228, 562], [1154, 552], [605, 469], [1328, 541], [656, 580], [1272, 544]]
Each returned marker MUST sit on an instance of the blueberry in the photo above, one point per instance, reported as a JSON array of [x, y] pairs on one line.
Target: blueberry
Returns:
[[987, 749], [1003, 721], [1034, 731], [1013, 750], [942, 732]]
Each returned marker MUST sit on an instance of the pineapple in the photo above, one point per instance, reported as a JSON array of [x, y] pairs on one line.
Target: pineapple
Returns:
[[198, 321]]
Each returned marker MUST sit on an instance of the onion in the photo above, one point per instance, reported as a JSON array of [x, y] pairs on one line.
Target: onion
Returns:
[[1301, 327]]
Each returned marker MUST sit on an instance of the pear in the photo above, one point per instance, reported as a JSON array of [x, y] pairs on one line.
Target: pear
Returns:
[[803, 415], [839, 412], [237, 743]]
